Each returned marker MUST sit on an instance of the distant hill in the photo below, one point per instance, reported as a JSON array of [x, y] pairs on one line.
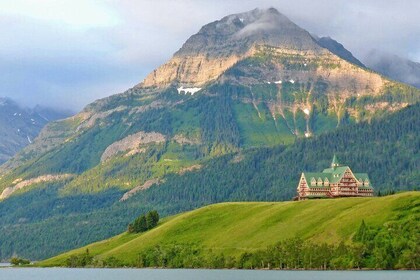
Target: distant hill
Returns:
[[232, 229], [20, 126], [395, 67]]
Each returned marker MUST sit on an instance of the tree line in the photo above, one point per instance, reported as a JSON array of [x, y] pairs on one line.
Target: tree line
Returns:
[[391, 246], [144, 222]]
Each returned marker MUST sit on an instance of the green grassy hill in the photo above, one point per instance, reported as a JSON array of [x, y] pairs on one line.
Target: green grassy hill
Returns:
[[232, 229]]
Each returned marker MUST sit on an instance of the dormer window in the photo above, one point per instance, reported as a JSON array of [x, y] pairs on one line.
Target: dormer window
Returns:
[[366, 182], [319, 182], [313, 182]]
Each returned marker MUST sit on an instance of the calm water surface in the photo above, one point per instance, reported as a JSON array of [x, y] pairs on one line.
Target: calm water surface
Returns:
[[183, 274]]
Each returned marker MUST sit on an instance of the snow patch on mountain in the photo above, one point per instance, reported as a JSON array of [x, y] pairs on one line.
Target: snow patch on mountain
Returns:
[[191, 91]]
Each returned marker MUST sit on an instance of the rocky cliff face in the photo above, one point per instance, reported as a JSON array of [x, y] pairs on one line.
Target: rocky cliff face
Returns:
[[263, 47], [338, 49], [220, 44]]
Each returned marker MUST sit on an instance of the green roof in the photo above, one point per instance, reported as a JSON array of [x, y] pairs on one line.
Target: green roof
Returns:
[[337, 170], [333, 175], [334, 162], [362, 176]]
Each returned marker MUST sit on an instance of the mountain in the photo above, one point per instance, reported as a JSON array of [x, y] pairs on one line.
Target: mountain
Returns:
[[199, 238], [395, 67], [228, 118], [264, 80], [20, 126], [339, 50], [221, 44]]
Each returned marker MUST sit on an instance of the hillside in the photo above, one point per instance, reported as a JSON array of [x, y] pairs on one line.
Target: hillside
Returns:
[[259, 174], [243, 107], [20, 126], [232, 229]]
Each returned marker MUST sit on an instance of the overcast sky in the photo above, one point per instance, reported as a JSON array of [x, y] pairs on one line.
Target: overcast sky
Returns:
[[68, 53]]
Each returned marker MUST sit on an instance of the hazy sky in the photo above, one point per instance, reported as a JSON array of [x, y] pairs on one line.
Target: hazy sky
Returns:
[[68, 53]]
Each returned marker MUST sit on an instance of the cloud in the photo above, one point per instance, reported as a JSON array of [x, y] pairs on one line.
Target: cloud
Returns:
[[78, 14], [42, 63], [391, 65], [68, 53]]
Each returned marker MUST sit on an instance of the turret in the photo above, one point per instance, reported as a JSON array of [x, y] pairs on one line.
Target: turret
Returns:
[[334, 162]]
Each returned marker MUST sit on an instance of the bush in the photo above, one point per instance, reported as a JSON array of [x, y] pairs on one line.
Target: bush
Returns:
[[18, 261], [81, 260]]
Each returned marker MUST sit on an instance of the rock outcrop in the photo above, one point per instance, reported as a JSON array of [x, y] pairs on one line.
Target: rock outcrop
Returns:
[[221, 44], [143, 187], [132, 144], [26, 183]]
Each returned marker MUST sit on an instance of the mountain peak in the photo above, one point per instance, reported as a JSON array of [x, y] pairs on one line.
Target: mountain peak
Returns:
[[221, 44], [237, 33]]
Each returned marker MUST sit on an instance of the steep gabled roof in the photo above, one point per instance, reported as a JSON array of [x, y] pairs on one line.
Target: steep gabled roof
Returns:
[[334, 175], [364, 177], [337, 170], [312, 175]]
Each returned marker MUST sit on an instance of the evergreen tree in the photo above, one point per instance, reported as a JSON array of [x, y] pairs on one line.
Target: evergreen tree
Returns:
[[152, 219], [144, 222], [140, 224]]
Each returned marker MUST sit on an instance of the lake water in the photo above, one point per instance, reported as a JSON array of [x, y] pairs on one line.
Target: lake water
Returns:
[[184, 274]]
